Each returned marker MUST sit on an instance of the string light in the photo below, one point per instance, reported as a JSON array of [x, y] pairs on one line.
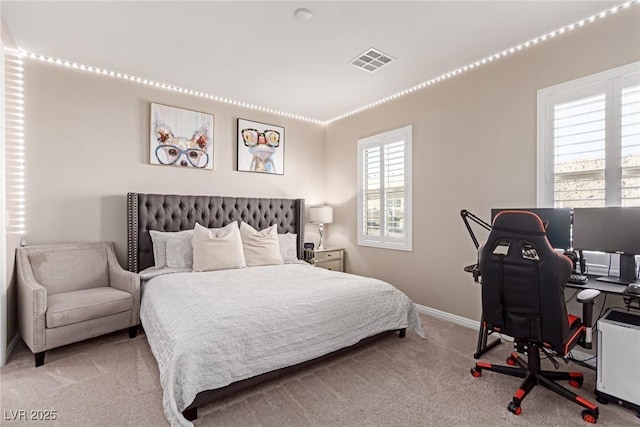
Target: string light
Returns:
[[438, 79], [147, 82], [15, 145]]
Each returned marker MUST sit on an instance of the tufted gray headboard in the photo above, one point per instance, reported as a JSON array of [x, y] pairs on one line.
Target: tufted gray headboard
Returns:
[[164, 212]]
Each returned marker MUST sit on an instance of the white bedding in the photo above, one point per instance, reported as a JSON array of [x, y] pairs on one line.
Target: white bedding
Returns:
[[210, 329]]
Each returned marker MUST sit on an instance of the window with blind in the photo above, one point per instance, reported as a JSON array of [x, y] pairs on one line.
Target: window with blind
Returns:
[[589, 141], [384, 196]]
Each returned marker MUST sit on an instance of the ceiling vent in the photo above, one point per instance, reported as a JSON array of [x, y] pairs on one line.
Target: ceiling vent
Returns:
[[371, 60]]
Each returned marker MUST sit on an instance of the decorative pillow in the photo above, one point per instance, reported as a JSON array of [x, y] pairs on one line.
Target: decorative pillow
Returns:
[[288, 247], [217, 248], [160, 238], [260, 247], [180, 252]]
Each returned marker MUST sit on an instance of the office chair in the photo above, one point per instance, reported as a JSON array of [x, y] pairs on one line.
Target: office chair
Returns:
[[523, 282]]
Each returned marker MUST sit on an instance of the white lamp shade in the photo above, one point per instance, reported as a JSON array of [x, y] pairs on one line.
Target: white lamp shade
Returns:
[[321, 215]]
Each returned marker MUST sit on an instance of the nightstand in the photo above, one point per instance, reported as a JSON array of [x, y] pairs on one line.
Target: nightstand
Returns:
[[329, 258]]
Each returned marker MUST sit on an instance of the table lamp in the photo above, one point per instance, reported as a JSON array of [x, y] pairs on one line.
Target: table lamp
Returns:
[[321, 215]]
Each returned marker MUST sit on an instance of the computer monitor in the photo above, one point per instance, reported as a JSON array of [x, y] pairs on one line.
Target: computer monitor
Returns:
[[611, 230], [558, 222]]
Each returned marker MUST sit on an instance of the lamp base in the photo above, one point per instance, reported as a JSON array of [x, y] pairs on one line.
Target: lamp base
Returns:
[[321, 231]]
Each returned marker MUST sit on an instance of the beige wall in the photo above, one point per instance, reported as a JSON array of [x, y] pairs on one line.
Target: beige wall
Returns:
[[88, 145], [474, 147]]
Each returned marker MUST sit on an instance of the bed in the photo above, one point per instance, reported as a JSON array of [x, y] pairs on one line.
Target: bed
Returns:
[[214, 333]]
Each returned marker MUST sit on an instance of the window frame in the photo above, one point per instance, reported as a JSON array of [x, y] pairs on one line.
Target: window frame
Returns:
[[609, 82], [404, 134]]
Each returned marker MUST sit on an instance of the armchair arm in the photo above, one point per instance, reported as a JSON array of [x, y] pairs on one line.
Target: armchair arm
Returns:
[[587, 299], [32, 305], [124, 280]]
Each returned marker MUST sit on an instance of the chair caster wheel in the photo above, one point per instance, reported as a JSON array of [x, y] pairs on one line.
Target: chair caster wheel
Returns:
[[589, 416], [511, 361], [575, 383], [477, 373], [514, 409]]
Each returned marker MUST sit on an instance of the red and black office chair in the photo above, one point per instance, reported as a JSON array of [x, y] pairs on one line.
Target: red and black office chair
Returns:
[[523, 282]]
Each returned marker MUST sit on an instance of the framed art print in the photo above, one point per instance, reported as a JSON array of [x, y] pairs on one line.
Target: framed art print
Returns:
[[260, 147], [180, 137]]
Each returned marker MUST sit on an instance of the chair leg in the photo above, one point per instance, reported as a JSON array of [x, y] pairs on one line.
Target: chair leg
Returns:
[[39, 359], [567, 394], [506, 370], [527, 385], [133, 331]]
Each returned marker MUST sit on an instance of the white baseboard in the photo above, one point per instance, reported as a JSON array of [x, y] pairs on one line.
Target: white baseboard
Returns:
[[454, 318]]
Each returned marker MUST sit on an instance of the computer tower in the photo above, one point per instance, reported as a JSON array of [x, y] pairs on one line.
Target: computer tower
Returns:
[[618, 367]]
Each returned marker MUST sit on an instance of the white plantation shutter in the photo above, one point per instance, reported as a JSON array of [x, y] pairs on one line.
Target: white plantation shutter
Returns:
[[394, 160], [589, 141], [630, 141], [372, 196], [579, 152], [384, 182]]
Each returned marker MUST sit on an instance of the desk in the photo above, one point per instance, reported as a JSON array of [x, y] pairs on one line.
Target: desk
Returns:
[[606, 287]]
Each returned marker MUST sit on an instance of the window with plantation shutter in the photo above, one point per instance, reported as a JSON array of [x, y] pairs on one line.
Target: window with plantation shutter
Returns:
[[630, 141], [589, 141], [384, 197]]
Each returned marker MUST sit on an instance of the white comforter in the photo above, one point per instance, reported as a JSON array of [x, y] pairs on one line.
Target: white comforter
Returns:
[[210, 329]]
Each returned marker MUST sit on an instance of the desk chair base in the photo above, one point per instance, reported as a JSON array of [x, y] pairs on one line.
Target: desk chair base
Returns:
[[533, 376]]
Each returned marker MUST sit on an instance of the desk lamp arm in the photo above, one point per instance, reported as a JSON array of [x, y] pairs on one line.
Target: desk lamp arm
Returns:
[[466, 215]]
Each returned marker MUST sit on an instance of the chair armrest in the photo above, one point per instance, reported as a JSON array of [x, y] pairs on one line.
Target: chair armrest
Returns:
[[32, 305], [587, 296], [587, 299], [124, 280]]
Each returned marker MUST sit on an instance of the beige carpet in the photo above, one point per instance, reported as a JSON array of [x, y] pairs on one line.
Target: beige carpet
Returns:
[[114, 381]]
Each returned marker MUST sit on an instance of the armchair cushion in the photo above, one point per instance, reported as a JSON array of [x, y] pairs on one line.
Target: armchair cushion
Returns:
[[70, 269], [78, 306]]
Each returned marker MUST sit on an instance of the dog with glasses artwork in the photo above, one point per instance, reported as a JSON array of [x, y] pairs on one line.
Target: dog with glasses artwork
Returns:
[[262, 142], [187, 147]]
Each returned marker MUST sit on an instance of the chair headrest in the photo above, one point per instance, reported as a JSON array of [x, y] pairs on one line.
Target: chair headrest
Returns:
[[519, 222]]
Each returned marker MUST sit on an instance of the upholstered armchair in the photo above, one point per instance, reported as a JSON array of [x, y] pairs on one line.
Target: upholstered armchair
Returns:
[[72, 292]]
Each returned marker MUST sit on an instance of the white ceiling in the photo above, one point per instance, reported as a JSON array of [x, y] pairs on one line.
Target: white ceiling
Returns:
[[257, 52]]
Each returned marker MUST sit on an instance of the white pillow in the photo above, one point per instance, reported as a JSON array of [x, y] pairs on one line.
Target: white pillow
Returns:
[[160, 238], [217, 248], [288, 247], [260, 247], [180, 252]]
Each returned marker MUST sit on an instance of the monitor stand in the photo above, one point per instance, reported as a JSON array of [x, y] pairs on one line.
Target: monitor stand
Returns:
[[627, 271], [613, 279]]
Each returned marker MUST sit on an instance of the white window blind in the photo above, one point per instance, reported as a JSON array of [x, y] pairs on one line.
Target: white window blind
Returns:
[[384, 180], [630, 139], [589, 141], [579, 152]]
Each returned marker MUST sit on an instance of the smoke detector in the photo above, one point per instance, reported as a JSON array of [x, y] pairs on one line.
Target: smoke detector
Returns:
[[371, 60]]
